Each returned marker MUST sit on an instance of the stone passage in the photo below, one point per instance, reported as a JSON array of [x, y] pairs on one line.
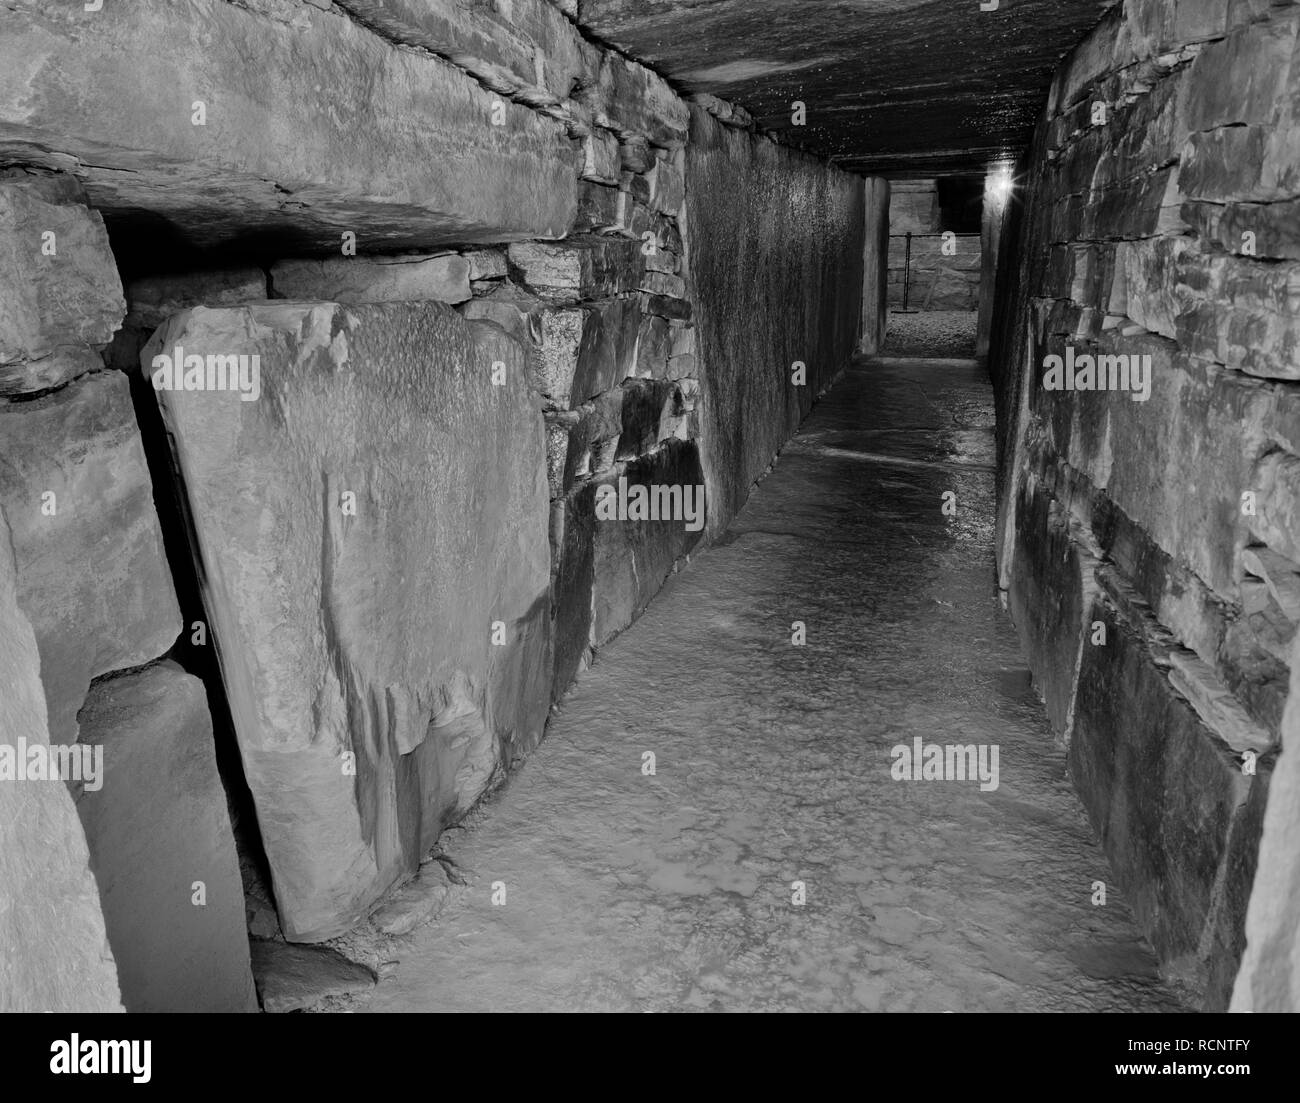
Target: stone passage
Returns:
[[310, 407], [368, 367], [628, 891]]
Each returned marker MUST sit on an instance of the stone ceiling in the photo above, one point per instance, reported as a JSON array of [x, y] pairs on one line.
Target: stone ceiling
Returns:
[[894, 87]]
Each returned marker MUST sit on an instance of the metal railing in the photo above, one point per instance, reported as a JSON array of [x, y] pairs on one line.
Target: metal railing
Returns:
[[907, 263]]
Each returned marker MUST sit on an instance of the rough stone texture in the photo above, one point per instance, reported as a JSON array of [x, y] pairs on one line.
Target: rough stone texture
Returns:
[[54, 952], [591, 435], [577, 352], [500, 46], [1197, 417], [1169, 132], [92, 578], [610, 349], [914, 207], [631, 559], [600, 158], [573, 532], [291, 978], [879, 95], [156, 827], [569, 272], [269, 162], [56, 311], [325, 648], [1276, 481], [154, 299], [801, 224], [486, 264], [1050, 594], [1163, 793], [937, 281], [558, 352], [151, 300], [443, 279], [875, 264], [512, 309], [414, 903], [687, 872], [649, 413], [527, 50]]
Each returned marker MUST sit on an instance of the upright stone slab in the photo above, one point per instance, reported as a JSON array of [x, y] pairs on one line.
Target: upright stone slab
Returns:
[[1163, 792], [60, 296], [161, 845], [92, 575], [573, 552], [632, 557], [875, 264], [54, 953], [786, 214], [366, 527], [1050, 592]]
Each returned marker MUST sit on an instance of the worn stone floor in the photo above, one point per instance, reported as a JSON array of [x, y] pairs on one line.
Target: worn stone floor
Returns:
[[628, 892], [931, 333]]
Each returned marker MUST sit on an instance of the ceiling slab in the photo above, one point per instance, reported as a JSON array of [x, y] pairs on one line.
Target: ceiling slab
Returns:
[[891, 87]]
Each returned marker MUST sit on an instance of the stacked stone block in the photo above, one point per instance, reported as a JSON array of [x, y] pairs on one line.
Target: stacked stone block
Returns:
[[472, 302], [1146, 539], [92, 580]]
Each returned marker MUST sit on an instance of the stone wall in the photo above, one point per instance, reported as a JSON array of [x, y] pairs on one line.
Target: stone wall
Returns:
[[93, 582], [56, 952], [1147, 541], [472, 306], [776, 259], [875, 265]]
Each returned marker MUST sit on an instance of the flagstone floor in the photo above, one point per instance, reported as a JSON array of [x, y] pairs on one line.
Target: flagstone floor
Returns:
[[625, 891]]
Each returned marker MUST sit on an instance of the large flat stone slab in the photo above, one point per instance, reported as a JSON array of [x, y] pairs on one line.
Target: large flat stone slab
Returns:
[[572, 537], [1051, 587], [161, 845], [362, 526], [631, 558], [1165, 795], [752, 198], [443, 279], [97, 93], [56, 954], [1200, 420], [92, 575]]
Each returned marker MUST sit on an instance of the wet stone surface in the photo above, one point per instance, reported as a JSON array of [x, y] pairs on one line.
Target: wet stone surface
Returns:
[[624, 891]]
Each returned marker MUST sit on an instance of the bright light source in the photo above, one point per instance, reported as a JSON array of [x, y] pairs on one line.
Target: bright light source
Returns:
[[999, 184]]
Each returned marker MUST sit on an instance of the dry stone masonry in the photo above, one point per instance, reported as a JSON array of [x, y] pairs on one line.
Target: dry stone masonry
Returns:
[[1147, 546], [316, 394], [368, 366]]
